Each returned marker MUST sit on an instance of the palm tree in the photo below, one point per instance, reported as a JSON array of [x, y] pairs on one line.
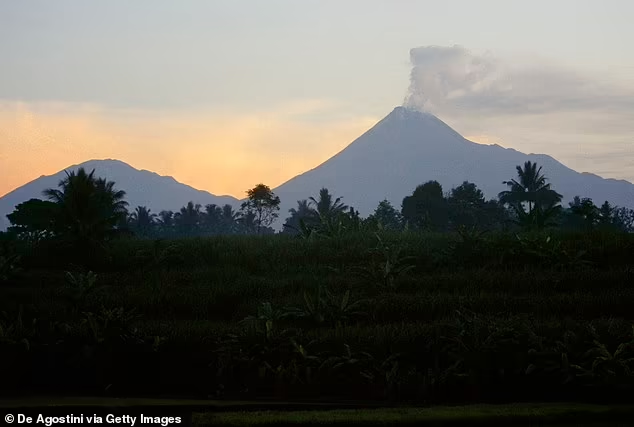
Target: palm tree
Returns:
[[166, 220], [188, 219], [303, 209], [229, 219], [90, 208], [212, 218], [326, 208], [142, 219], [531, 188], [303, 212]]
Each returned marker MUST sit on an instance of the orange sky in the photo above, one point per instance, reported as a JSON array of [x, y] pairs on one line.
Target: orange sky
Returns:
[[222, 152], [227, 152]]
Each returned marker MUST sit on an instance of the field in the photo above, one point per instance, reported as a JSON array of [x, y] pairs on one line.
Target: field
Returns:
[[406, 317], [235, 414]]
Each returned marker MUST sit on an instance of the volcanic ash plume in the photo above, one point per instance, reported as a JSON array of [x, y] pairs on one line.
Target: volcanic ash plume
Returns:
[[445, 77]]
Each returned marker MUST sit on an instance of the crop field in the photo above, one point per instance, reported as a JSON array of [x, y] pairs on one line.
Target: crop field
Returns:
[[377, 317]]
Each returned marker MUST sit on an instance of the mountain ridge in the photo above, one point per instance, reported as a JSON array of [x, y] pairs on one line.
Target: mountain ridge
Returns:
[[142, 187], [401, 151], [408, 147]]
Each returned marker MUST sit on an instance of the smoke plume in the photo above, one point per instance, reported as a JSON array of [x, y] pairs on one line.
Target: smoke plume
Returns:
[[442, 77]]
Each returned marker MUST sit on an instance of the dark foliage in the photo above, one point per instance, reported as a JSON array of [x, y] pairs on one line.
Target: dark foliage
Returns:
[[452, 302]]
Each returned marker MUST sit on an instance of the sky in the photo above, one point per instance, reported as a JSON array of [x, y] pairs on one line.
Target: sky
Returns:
[[223, 95]]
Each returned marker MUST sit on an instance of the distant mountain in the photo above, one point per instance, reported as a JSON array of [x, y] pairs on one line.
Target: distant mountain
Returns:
[[405, 149], [408, 148], [143, 188]]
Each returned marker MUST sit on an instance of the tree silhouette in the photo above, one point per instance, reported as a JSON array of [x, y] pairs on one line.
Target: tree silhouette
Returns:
[[532, 189], [229, 219], [304, 213], [426, 207], [467, 194], [623, 219], [165, 220], [606, 215], [188, 218], [584, 213], [261, 207], [467, 205], [386, 216], [89, 207], [325, 207], [142, 220], [212, 219], [34, 219]]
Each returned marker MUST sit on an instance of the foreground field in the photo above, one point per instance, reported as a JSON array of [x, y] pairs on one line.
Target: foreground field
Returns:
[[478, 415], [413, 317], [204, 412]]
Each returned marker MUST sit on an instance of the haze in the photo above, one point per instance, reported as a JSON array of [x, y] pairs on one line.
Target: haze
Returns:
[[225, 94]]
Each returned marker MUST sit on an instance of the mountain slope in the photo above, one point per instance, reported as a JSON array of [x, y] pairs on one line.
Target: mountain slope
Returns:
[[143, 188], [408, 148], [405, 149]]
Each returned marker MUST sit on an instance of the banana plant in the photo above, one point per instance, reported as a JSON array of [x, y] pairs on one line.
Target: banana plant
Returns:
[[16, 331], [348, 365], [324, 307], [605, 365], [387, 267], [299, 368], [265, 320], [78, 286], [112, 323], [548, 251], [304, 231]]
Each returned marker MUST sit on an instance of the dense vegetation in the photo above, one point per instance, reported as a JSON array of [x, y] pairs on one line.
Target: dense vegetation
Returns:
[[453, 299]]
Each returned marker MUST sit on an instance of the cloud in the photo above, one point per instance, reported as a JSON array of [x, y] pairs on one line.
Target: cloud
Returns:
[[448, 80], [530, 104], [221, 151], [442, 77]]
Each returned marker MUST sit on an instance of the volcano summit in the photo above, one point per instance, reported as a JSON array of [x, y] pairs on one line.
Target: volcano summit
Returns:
[[409, 147]]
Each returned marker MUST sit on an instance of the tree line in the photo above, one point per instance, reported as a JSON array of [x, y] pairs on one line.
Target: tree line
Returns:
[[88, 209]]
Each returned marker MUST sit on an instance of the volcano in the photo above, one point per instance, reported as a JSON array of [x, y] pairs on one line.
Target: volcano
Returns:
[[408, 148], [405, 149]]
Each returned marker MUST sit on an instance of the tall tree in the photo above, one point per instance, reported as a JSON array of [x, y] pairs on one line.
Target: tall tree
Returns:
[[583, 213], [624, 219], [606, 215], [263, 205], [34, 219], [165, 220], [427, 207], [89, 207], [212, 218], [304, 213], [325, 208], [531, 188], [229, 219], [188, 218], [467, 205], [387, 216], [142, 220]]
